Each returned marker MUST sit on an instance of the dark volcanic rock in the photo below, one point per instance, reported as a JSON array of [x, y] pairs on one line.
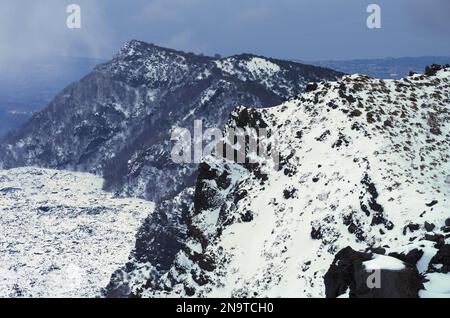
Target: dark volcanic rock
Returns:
[[442, 258], [439, 239], [316, 234], [405, 283], [158, 241], [412, 227], [412, 257], [429, 226], [349, 272], [447, 222], [341, 273], [433, 69], [204, 193]]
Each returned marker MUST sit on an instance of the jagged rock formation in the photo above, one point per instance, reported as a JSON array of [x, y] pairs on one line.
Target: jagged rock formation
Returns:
[[364, 163]]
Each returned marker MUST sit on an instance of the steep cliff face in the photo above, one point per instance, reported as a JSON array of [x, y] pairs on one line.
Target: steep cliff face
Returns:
[[116, 122], [364, 163]]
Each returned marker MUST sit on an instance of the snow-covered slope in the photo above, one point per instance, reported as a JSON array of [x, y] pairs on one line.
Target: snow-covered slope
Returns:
[[61, 235], [364, 163]]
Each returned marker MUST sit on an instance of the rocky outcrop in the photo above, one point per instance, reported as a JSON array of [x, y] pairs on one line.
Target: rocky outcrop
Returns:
[[441, 261], [348, 274], [341, 274], [422, 259], [159, 239]]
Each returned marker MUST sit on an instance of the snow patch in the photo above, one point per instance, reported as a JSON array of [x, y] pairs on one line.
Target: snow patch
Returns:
[[384, 262], [437, 287]]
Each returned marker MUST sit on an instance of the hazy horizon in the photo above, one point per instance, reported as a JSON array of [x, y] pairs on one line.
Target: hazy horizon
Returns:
[[102, 59], [286, 29]]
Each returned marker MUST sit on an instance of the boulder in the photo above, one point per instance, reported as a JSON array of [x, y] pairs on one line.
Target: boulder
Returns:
[[429, 227], [341, 273], [349, 272], [412, 257], [442, 259]]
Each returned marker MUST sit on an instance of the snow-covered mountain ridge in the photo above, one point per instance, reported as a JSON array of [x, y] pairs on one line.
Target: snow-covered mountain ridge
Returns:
[[116, 121], [364, 163]]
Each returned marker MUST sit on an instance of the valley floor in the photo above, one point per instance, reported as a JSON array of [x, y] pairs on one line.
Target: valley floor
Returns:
[[61, 235]]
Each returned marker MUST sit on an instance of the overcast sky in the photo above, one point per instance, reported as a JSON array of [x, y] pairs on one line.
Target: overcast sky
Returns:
[[295, 29]]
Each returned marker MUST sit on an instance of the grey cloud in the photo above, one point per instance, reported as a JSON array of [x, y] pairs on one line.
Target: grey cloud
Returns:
[[186, 41], [164, 10], [430, 15], [253, 14], [30, 28], [302, 29]]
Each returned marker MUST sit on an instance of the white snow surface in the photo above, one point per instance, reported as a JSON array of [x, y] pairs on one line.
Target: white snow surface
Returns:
[[437, 287], [255, 68], [61, 235], [382, 262]]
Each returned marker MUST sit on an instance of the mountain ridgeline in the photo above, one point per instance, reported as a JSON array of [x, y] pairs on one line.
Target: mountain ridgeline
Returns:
[[116, 121]]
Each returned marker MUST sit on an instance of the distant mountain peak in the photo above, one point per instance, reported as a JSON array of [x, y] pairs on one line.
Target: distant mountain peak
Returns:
[[136, 48], [116, 119]]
